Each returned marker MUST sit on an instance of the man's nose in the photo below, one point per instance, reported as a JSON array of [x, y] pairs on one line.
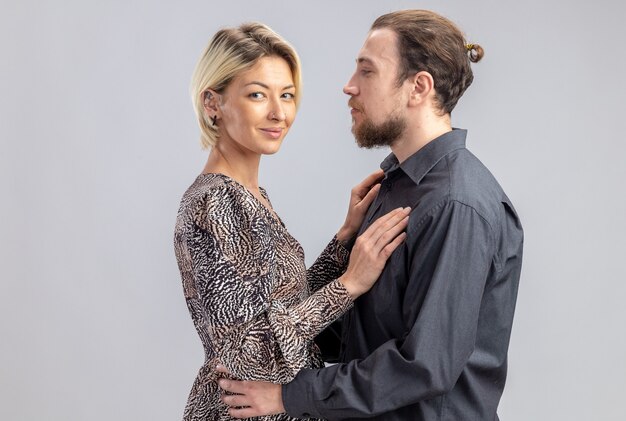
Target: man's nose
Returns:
[[350, 88]]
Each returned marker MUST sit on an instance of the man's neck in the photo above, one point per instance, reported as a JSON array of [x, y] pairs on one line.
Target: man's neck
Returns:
[[418, 135]]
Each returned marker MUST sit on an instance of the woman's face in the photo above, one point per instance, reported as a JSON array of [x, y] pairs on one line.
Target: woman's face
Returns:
[[257, 108]]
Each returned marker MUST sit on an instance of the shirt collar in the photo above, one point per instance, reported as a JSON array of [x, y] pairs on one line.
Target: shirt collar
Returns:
[[421, 162]]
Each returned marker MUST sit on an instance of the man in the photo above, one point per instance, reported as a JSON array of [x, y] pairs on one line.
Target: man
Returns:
[[429, 341]]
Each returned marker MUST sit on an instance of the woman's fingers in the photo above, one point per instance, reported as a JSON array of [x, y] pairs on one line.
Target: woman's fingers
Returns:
[[372, 249], [371, 230], [360, 190], [371, 179], [389, 248], [387, 236], [385, 223], [369, 197]]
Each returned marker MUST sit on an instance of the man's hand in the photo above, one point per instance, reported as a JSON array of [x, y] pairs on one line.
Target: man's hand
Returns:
[[252, 399]]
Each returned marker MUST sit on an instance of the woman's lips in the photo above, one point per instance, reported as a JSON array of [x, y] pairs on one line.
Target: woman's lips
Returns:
[[274, 133]]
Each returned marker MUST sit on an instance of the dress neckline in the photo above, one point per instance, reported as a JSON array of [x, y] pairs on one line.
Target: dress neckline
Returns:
[[269, 211]]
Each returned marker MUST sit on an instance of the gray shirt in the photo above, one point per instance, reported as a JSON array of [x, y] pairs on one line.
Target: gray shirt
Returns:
[[429, 341]]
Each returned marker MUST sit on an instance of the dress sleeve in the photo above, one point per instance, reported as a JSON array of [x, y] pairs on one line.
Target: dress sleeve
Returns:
[[438, 342], [330, 265], [234, 269]]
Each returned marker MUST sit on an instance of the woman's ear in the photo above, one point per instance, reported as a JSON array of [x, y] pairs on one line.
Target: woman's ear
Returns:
[[212, 105]]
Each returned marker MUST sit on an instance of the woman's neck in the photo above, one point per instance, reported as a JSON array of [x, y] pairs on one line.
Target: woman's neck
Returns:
[[235, 163]]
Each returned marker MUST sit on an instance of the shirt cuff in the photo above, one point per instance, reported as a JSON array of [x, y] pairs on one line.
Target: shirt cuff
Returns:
[[297, 397]]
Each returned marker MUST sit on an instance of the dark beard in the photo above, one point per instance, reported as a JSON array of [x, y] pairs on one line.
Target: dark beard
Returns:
[[368, 135]]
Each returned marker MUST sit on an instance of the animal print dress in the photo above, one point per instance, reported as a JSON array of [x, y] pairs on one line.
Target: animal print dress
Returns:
[[251, 299]]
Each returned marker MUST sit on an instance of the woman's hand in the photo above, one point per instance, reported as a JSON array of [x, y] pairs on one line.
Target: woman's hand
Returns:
[[372, 249], [361, 197]]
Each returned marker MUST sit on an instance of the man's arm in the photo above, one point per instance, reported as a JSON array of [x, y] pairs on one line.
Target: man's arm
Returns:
[[329, 341], [428, 359], [440, 336]]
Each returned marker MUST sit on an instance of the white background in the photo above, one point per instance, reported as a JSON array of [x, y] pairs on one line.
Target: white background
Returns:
[[99, 141]]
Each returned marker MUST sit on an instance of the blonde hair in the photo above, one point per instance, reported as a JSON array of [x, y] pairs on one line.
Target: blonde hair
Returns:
[[230, 52]]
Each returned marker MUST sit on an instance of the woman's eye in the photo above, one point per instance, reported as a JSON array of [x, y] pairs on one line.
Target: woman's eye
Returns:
[[256, 95], [288, 95]]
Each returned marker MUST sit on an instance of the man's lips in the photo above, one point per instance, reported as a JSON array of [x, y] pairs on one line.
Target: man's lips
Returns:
[[354, 108]]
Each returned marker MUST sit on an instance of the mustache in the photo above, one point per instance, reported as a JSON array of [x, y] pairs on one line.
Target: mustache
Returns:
[[353, 103]]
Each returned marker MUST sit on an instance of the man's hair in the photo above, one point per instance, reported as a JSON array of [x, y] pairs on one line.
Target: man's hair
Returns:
[[230, 52], [429, 42]]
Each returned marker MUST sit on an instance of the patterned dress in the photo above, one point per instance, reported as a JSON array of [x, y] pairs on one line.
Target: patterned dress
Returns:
[[251, 299]]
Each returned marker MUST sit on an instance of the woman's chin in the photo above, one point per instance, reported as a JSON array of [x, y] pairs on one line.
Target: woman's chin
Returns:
[[271, 149]]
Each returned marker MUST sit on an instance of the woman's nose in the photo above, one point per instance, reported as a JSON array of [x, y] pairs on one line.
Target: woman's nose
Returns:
[[277, 113]]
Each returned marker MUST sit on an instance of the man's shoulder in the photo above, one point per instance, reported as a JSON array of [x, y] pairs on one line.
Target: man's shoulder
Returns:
[[461, 179], [469, 176], [473, 184]]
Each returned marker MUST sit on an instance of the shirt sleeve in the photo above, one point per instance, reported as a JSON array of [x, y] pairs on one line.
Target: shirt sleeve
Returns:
[[235, 279], [439, 336], [330, 265]]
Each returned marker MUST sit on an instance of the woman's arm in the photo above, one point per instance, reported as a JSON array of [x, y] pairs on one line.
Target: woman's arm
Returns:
[[233, 261], [333, 261], [330, 265]]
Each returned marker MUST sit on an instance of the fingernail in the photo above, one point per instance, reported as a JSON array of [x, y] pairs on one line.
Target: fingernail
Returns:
[[218, 366]]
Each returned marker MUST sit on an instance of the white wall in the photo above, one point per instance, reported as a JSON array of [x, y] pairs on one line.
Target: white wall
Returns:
[[98, 143]]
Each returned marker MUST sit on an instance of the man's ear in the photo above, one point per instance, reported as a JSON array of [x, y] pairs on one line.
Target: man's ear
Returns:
[[422, 88]]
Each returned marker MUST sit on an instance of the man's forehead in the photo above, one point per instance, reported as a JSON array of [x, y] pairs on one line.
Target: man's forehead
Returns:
[[380, 48]]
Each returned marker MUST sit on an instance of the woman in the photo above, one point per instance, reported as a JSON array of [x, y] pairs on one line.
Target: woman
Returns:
[[253, 303]]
